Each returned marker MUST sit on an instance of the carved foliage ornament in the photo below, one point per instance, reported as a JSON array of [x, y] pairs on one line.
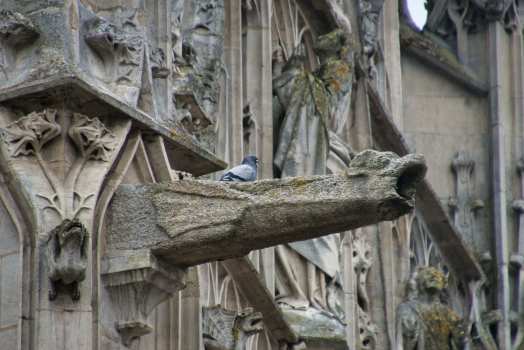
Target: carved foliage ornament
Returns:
[[121, 49], [92, 138], [29, 134], [224, 329], [15, 31]]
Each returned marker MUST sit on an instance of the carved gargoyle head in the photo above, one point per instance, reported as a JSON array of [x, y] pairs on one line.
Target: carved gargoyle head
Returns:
[[67, 252], [224, 329], [248, 322], [362, 261]]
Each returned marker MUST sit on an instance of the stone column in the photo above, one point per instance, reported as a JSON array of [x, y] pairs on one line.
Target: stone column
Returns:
[[257, 82], [498, 95], [232, 57], [392, 58]]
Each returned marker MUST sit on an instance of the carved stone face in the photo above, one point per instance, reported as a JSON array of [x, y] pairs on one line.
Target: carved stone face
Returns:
[[431, 280], [277, 54], [369, 24], [362, 261]]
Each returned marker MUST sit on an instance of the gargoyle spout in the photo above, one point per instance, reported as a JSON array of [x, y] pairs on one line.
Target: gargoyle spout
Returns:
[[193, 222]]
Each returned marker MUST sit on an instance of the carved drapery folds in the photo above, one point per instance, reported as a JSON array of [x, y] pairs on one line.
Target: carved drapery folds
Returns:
[[225, 329], [16, 31]]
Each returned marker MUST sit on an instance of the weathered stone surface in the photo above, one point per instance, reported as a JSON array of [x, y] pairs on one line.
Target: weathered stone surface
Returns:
[[137, 284], [224, 329], [67, 254], [190, 222], [9, 290], [16, 31], [425, 321]]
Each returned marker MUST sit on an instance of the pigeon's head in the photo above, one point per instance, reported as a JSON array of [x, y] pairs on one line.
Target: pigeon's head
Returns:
[[253, 160]]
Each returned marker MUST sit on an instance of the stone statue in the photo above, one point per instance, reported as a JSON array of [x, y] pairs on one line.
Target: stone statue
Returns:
[[369, 12], [316, 106], [67, 252], [425, 321]]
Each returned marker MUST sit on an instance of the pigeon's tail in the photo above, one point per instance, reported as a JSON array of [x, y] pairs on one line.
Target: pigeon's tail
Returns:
[[229, 176]]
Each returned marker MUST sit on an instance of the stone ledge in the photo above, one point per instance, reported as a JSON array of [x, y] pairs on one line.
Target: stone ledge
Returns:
[[426, 49], [185, 152]]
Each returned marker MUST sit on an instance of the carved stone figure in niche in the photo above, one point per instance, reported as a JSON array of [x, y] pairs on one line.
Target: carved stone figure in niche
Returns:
[[362, 261], [177, 12], [16, 31], [369, 12], [277, 60], [316, 107], [67, 252], [425, 321], [225, 329], [316, 104]]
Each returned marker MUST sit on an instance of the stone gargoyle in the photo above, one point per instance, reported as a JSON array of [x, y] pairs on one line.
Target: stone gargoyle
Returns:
[[67, 252], [192, 222], [225, 329]]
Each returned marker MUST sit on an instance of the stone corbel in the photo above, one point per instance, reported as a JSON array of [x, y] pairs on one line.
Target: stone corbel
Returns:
[[137, 284]]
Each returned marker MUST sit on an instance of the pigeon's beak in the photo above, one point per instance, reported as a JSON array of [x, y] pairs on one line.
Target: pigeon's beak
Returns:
[[256, 161]]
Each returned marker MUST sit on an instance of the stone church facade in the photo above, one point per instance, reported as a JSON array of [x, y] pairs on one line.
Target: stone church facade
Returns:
[[388, 211]]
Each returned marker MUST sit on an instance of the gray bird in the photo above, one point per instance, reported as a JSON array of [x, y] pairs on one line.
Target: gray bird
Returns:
[[246, 172]]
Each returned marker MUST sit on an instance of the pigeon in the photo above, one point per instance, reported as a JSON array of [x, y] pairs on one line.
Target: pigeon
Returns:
[[247, 172]]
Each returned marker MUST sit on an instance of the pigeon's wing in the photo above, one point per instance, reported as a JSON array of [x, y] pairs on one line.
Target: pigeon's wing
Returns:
[[241, 173]]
